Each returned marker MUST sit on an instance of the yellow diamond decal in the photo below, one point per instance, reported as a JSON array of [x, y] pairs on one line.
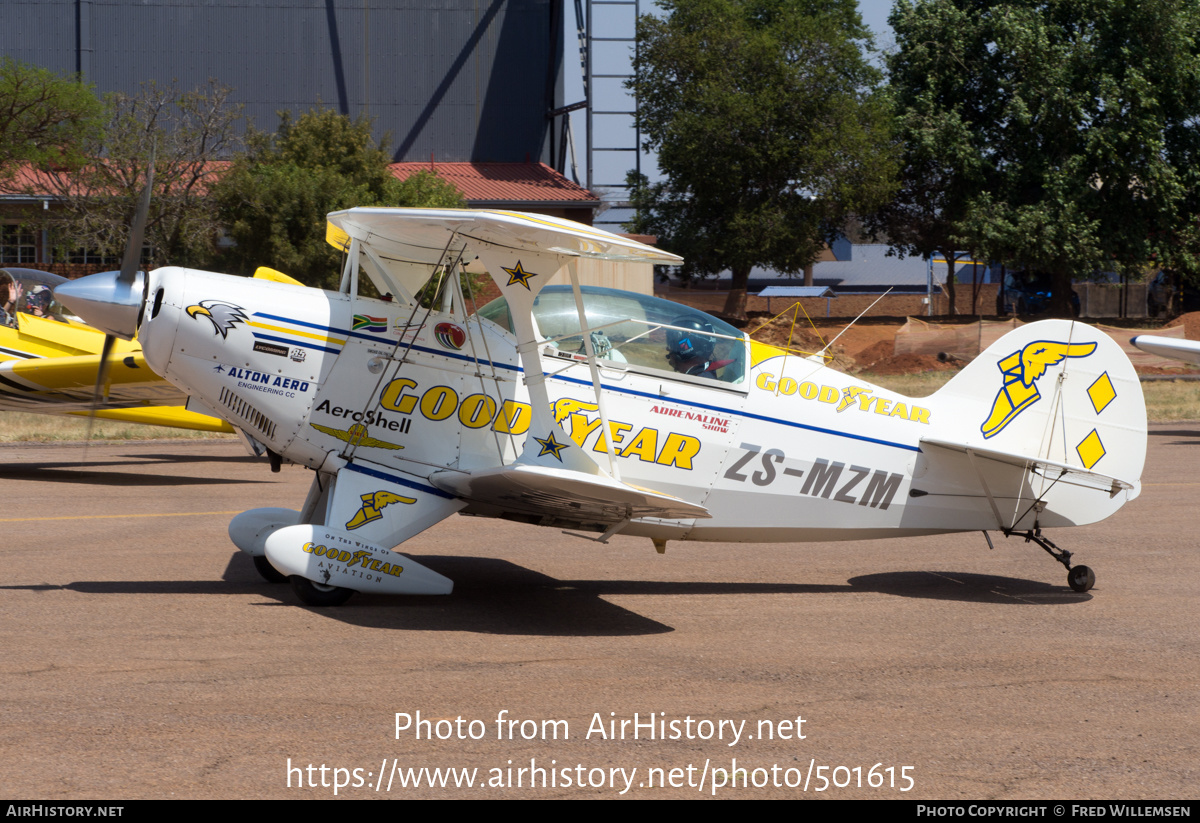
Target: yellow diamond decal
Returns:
[[1090, 450], [1102, 393]]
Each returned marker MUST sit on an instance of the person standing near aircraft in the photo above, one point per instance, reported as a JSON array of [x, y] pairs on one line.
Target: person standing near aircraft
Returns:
[[10, 293]]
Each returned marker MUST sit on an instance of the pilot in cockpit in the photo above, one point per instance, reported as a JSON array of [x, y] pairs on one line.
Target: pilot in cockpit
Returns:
[[37, 301], [690, 348]]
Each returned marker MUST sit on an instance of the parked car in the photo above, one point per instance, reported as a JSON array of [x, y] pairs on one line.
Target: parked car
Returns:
[[1026, 293], [1160, 291]]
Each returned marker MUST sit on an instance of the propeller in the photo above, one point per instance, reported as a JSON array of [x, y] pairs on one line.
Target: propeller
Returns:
[[112, 301]]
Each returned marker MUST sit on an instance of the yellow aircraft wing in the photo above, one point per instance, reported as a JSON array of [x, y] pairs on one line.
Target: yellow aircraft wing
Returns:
[[65, 385], [48, 365]]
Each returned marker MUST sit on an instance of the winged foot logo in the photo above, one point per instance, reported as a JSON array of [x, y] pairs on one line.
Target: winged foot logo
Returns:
[[1021, 371], [372, 505]]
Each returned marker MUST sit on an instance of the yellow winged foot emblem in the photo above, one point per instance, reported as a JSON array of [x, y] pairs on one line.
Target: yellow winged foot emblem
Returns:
[[1021, 370]]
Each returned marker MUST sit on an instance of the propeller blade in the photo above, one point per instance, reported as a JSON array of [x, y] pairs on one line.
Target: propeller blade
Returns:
[[137, 232], [113, 301], [101, 377], [126, 278]]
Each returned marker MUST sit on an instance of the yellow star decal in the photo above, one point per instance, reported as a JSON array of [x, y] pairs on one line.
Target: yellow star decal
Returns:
[[551, 446], [519, 275]]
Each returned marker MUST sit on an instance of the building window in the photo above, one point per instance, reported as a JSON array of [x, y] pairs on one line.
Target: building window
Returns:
[[92, 258], [17, 245]]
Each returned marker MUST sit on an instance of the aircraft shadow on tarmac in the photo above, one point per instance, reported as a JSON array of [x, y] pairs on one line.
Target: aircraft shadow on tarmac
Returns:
[[499, 597], [107, 473], [1191, 436], [493, 596], [971, 588]]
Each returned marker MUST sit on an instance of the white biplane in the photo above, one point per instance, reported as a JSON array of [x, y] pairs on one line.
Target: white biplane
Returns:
[[600, 411]]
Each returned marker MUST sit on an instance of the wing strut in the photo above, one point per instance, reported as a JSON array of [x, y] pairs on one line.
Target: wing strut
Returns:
[[442, 268], [469, 312], [605, 429]]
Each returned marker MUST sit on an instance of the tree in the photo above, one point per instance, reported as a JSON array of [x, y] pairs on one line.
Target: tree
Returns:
[[768, 129], [45, 118], [192, 135], [275, 197], [1056, 136]]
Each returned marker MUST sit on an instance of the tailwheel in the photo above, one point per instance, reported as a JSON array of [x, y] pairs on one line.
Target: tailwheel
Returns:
[[1081, 578], [319, 594], [268, 572]]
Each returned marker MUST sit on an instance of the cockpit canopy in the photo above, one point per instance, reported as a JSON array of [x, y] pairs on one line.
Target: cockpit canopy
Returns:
[[636, 331], [30, 291]]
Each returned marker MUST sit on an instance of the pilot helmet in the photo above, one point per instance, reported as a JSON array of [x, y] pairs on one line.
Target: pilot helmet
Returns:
[[38, 297], [696, 341]]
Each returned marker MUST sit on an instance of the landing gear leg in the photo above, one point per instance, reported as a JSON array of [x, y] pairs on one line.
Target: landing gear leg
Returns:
[[1079, 578]]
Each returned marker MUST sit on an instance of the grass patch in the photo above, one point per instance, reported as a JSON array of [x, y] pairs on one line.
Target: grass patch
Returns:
[[1169, 400], [910, 385], [1166, 400], [20, 427]]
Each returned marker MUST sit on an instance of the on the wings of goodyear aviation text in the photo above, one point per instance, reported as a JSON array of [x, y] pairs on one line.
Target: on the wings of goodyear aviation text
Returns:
[[784, 735]]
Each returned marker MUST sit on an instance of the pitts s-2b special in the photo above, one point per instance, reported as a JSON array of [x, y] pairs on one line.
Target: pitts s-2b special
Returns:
[[598, 410]]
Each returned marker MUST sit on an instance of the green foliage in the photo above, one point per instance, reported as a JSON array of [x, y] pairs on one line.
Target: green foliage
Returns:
[[45, 119], [768, 128], [190, 134], [275, 198], [1056, 136]]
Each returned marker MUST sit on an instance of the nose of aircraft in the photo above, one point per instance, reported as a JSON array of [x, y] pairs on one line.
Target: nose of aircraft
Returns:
[[105, 301]]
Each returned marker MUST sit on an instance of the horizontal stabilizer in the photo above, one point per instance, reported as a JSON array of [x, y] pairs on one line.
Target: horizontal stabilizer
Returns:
[[1186, 350], [1048, 468], [563, 495]]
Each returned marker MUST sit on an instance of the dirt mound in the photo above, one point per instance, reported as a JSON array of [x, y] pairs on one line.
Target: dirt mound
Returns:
[[1190, 323], [876, 352], [910, 364]]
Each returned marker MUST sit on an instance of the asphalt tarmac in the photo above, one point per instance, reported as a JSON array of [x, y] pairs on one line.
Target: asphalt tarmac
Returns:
[[143, 657]]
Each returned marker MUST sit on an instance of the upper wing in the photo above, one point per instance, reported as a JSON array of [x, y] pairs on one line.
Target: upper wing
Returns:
[[1186, 350], [401, 247]]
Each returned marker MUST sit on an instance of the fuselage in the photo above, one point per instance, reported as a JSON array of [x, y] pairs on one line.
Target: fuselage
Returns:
[[784, 450]]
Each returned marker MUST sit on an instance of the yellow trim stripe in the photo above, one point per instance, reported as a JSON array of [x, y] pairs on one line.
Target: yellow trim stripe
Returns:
[[284, 330], [570, 229]]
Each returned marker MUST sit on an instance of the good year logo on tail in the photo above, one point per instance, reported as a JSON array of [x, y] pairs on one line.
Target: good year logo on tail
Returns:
[[1021, 370]]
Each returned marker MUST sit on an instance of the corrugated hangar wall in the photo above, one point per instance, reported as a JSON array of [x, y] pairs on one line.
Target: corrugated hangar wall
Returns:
[[461, 79]]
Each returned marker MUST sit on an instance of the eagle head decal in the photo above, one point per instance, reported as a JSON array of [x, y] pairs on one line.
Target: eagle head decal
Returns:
[[222, 315]]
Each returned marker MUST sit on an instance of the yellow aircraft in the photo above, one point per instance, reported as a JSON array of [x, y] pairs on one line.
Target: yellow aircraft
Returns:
[[49, 360]]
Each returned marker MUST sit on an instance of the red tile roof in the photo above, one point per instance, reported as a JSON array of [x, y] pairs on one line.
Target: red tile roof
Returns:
[[30, 182], [505, 183]]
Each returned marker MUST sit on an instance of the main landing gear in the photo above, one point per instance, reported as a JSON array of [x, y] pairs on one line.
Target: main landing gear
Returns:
[[319, 594], [1079, 578], [268, 572]]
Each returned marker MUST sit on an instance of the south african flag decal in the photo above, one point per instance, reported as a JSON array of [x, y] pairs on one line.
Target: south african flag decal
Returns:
[[365, 322]]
